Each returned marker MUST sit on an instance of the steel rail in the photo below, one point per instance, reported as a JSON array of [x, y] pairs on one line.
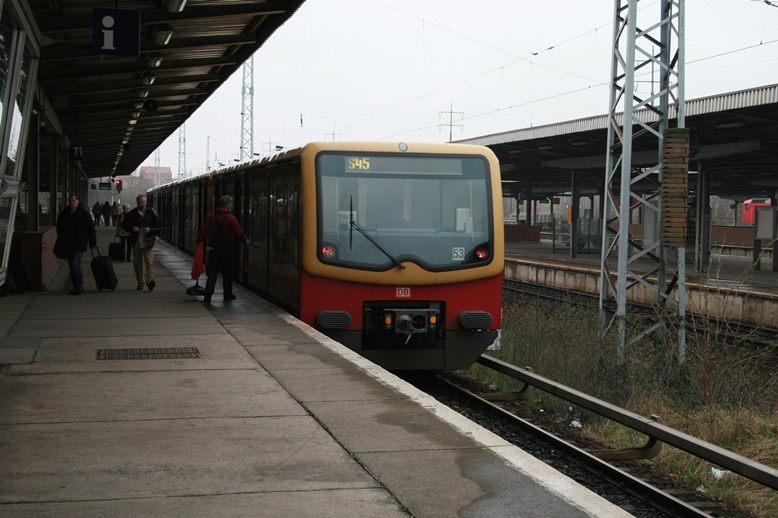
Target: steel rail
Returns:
[[637, 487], [746, 467]]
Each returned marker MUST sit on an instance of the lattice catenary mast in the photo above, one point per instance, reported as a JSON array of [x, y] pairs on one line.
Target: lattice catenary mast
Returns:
[[247, 113], [646, 113], [156, 167], [182, 151]]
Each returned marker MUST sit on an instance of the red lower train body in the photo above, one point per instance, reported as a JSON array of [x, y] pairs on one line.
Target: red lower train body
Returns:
[[406, 327]]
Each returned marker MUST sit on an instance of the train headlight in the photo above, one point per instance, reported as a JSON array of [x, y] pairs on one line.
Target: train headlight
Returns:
[[329, 252]]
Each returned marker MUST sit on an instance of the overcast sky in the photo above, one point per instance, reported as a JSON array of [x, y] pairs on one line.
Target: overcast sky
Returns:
[[426, 70]]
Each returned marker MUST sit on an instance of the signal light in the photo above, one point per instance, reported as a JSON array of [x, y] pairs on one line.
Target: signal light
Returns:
[[328, 252], [482, 254], [118, 186]]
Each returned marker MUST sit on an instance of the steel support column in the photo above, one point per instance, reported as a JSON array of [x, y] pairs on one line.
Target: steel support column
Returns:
[[654, 44]]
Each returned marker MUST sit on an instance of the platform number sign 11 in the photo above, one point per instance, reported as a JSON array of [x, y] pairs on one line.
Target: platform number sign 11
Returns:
[[76, 152]]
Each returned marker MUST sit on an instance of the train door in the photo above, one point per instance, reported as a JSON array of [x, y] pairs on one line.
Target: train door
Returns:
[[257, 229], [245, 221], [163, 207], [284, 278], [200, 206], [170, 219], [193, 216], [181, 218], [237, 211], [185, 215]]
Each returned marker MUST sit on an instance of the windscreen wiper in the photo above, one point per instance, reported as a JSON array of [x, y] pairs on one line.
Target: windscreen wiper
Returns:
[[354, 225]]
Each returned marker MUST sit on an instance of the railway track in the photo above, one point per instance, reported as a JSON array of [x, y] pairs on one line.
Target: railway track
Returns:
[[632, 493], [617, 477], [731, 332]]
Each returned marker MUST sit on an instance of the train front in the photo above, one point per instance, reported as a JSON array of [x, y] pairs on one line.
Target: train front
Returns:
[[403, 250]]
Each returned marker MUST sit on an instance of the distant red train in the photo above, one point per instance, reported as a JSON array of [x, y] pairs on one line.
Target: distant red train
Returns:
[[748, 216]]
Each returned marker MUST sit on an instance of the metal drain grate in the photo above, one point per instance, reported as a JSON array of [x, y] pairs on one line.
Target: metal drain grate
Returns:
[[161, 353]]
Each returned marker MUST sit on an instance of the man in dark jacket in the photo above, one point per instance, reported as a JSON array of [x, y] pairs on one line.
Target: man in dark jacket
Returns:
[[107, 214], [143, 224], [75, 224], [221, 230]]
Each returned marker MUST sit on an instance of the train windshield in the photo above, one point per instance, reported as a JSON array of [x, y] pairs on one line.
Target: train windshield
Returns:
[[376, 211]]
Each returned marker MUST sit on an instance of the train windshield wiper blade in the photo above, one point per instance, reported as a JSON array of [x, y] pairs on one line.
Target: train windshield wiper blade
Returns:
[[370, 238], [354, 225]]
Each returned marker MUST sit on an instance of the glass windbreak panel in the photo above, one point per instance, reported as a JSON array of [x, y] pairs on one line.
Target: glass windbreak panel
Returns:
[[6, 40], [5, 222], [17, 123], [376, 210]]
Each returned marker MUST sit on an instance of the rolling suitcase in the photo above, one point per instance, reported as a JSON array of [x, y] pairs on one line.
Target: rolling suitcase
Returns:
[[115, 251], [102, 269]]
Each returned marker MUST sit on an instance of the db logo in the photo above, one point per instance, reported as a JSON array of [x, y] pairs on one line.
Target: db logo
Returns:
[[402, 293]]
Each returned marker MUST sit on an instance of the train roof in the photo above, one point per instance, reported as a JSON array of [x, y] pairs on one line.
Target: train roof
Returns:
[[374, 145]]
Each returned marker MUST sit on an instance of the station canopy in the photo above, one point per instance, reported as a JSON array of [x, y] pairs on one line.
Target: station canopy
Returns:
[[185, 50], [734, 139]]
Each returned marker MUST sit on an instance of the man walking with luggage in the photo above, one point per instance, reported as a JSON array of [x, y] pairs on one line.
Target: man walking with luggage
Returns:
[[75, 224], [143, 224], [221, 230]]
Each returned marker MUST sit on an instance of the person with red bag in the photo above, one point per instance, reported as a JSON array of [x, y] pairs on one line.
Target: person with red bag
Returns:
[[221, 228]]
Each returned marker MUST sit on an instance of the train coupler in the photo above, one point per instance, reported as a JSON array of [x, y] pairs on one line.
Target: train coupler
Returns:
[[410, 322]]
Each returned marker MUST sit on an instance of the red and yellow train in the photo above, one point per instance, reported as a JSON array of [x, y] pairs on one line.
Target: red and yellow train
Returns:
[[393, 249]]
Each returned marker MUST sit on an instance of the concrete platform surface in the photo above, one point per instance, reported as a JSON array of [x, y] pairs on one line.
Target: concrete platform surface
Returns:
[[272, 419]]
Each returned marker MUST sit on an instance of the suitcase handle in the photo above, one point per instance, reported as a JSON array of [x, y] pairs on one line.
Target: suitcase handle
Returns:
[[93, 251]]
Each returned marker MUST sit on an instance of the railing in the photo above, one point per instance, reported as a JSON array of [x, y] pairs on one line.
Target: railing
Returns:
[[656, 431], [588, 239]]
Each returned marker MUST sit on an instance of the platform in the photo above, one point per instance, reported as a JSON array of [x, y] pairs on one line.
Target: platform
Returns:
[[271, 419], [731, 289], [722, 269]]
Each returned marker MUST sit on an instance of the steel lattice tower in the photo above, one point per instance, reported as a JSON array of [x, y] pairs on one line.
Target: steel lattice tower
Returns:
[[182, 151], [208, 153], [247, 113], [657, 44], [156, 167]]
